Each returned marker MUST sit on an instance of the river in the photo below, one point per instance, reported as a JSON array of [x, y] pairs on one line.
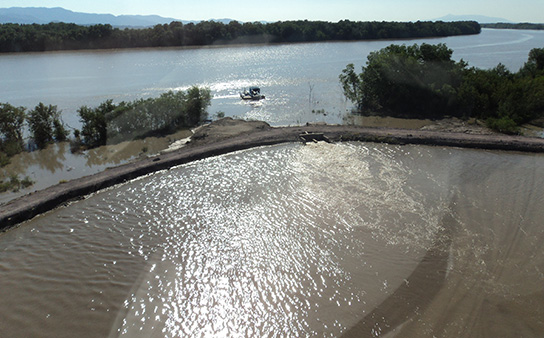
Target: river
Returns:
[[300, 81], [407, 241]]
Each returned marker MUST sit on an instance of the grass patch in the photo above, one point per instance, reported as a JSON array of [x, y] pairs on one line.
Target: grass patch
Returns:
[[14, 184]]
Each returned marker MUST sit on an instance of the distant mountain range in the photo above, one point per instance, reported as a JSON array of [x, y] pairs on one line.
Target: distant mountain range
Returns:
[[41, 15], [477, 18]]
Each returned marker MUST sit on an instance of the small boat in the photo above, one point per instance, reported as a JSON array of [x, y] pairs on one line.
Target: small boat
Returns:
[[253, 93]]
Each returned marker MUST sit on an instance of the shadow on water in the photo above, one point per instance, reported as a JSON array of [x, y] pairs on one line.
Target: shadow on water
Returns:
[[415, 294]]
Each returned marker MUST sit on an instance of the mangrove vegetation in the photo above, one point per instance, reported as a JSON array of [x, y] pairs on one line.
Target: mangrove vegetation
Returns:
[[113, 123], [422, 81], [524, 25], [107, 123], [67, 36]]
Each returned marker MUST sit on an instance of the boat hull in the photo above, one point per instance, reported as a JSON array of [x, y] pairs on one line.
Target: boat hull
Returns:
[[251, 97]]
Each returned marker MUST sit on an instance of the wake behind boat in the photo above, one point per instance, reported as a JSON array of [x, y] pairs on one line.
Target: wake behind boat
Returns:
[[253, 93]]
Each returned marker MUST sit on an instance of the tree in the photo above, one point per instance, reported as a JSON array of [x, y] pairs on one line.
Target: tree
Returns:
[[95, 127], [535, 63], [45, 126], [352, 86], [60, 132], [11, 131], [406, 81], [61, 36], [198, 100]]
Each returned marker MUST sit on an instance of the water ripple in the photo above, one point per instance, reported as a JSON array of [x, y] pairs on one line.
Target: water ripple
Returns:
[[289, 240]]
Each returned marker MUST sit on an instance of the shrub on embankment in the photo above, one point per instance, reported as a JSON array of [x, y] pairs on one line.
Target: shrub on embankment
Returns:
[[113, 123]]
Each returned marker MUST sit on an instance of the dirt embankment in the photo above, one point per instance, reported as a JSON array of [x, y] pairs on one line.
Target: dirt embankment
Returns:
[[229, 135]]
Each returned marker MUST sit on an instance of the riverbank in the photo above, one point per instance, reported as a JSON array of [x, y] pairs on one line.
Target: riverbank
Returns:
[[228, 135]]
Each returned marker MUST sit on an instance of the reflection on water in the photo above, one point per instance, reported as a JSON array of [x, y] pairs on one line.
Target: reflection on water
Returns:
[[51, 160], [317, 240], [56, 163]]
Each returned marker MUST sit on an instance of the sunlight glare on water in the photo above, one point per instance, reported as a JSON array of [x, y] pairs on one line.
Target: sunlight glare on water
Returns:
[[248, 254], [289, 240]]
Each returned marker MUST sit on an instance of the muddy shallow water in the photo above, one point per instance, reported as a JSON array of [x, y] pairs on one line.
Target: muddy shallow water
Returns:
[[291, 240], [56, 163]]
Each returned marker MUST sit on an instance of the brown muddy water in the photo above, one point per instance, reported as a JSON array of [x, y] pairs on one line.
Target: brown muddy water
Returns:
[[291, 240], [57, 163]]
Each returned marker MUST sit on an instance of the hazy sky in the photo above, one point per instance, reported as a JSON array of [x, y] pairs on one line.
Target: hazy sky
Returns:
[[328, 10]]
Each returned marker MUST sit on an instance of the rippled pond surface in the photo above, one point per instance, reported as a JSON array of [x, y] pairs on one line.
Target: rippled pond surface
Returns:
[[291, 240]]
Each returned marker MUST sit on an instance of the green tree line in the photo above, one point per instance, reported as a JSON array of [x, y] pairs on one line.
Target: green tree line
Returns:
[[524, 25], [423, 81], [66, 36], [106, 123]]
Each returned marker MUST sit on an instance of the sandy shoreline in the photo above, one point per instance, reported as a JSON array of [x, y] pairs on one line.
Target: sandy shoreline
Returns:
[[229, 135]]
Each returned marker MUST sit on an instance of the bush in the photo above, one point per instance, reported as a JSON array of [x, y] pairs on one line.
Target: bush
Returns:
[[94, 129], [4, 159], [503, 125]]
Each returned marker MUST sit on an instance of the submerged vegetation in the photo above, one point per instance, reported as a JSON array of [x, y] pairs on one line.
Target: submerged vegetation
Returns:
[[14, 183], [107, 123], [422, 81], [66, 36]]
